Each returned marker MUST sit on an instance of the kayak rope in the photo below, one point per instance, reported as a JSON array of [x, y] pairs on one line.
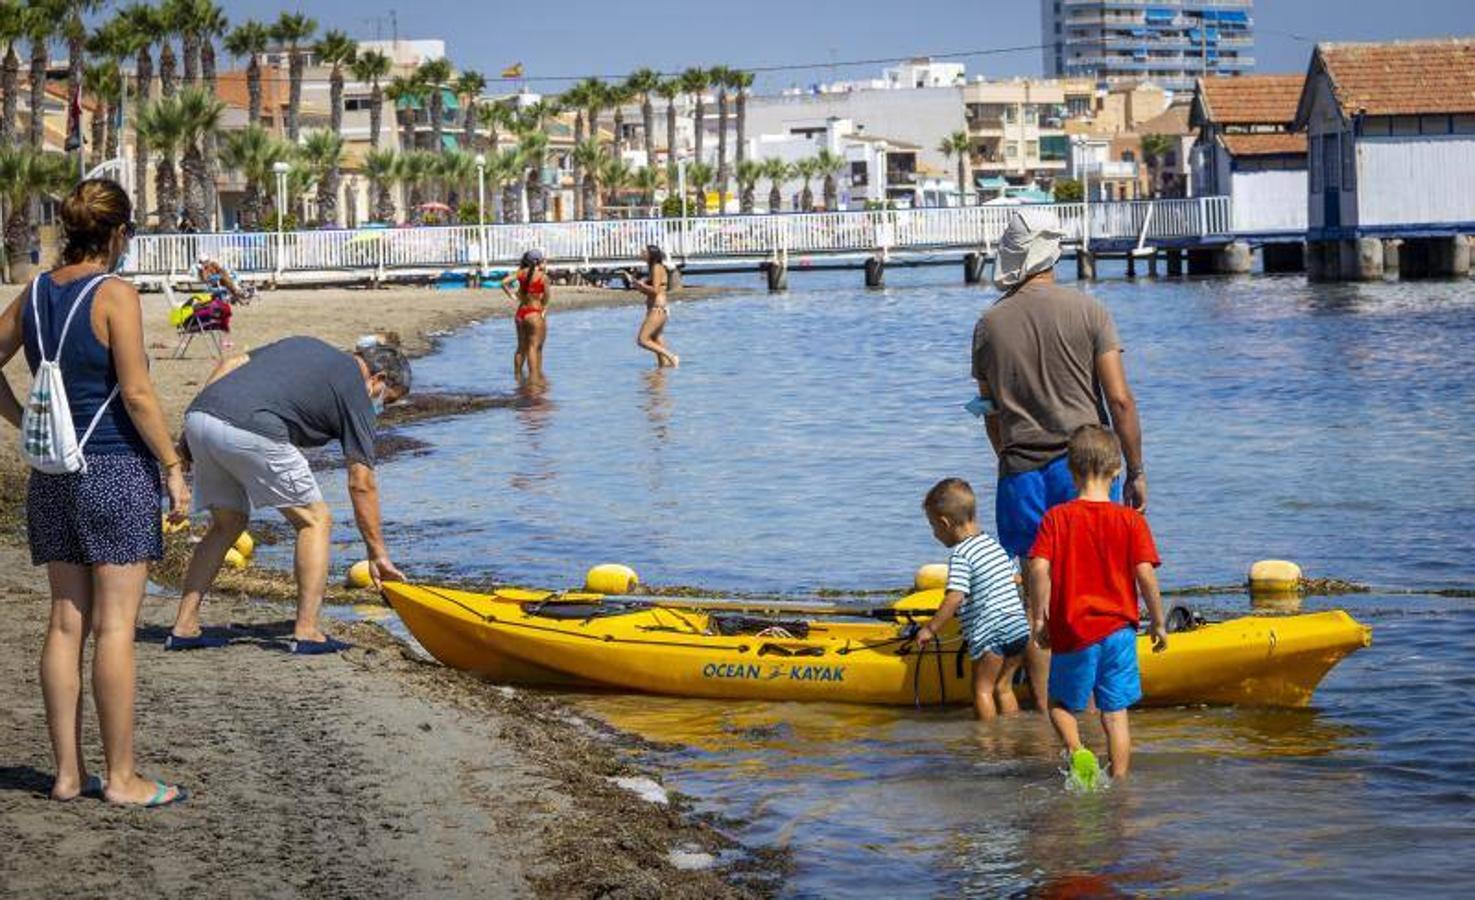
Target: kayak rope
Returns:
[[606, 638]]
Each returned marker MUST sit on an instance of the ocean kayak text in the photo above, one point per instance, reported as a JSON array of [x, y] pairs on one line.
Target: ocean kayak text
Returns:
[[755, 672]]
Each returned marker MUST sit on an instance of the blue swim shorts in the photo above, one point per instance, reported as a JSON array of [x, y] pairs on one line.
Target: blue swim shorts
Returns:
[[1107, 669], [1024, 497]]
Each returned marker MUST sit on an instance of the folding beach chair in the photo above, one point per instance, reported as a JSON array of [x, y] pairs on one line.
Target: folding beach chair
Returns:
[[194, 316]]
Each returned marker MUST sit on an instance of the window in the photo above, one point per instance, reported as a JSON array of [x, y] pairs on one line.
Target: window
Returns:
[[1405, 125], [1434, 125], [1170, 159], [356, 104], [1011, 150], [1313, 163], [1349, 162], [1032, 150], [858, 174], [1331, 157], [1376, 126], [1464, 124], [1128, 156]]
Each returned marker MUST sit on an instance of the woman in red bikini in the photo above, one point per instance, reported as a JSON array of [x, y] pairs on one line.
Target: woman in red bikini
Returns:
[[534, 292]]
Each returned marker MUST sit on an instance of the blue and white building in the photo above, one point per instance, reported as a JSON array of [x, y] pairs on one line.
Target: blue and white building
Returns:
[[1168, 42]]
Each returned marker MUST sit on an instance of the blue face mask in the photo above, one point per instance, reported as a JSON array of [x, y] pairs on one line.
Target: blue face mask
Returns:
[[378, 404]]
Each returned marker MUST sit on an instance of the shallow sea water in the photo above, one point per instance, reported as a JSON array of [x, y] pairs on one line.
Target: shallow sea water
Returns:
[[1325, 424]]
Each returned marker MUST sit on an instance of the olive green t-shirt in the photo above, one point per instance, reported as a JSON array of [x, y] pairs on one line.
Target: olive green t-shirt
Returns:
[[1037, 349]]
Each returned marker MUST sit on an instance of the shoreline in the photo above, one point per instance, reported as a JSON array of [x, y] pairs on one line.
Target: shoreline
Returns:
[[370, 773]]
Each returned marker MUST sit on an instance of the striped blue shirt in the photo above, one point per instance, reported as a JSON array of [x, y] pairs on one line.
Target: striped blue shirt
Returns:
[[992, 615]]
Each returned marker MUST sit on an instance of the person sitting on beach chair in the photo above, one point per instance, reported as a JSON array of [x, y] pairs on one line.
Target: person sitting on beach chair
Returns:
[[199, 314], [219, 281], [244, 434]]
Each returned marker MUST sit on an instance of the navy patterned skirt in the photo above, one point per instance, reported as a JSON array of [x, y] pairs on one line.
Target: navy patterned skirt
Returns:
[[110, 514]]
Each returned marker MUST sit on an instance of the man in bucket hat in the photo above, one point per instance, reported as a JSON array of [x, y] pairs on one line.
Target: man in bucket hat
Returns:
[[1048, 360]]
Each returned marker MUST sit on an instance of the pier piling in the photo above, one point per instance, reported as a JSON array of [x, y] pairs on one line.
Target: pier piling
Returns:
[[1235, 258], [875, 272], [1085, 265], [973, 266], [1175, 263], [1284, 257], [777, 275]]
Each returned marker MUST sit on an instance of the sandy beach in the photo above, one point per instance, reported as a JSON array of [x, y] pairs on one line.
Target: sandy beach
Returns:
[[369, 774]]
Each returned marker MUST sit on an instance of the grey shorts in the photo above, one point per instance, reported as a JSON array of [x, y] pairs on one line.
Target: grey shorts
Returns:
[[236, 469]]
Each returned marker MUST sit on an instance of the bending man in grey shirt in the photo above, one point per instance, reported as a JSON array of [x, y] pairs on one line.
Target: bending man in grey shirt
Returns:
[[244, 434]]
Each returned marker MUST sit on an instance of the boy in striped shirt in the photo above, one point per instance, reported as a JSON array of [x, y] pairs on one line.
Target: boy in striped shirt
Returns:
[[982, 592]]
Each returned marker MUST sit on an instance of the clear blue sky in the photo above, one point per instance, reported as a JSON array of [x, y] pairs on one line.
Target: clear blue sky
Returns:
[[608, 37]]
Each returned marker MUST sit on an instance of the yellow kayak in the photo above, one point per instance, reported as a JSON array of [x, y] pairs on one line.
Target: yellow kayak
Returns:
[[781, 652]]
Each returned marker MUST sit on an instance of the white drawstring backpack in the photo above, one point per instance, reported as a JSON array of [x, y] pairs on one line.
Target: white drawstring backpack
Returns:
[[49, 440]]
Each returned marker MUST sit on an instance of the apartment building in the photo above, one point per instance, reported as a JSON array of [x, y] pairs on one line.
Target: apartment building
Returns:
[[1170, 42], [1017, 131]]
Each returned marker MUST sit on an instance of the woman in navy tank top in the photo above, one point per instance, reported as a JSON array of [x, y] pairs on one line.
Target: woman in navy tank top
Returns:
[[96, 530]]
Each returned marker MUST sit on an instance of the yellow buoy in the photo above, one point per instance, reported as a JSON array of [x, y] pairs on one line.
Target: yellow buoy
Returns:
[[611, 578], [930, 577], [1275, 577], [235, 559], [359, 575], [245, 544]]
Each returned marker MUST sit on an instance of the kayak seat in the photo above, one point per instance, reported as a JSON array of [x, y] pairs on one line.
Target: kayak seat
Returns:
[[563, 611], [781, 650], [1181, 618]]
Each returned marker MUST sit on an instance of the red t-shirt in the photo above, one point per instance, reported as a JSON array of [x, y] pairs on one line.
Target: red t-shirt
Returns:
[[1094, 548]]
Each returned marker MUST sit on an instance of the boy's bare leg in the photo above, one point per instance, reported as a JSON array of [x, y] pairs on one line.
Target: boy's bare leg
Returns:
[[1066, 727], [1118, 741], [1004, 698], [985, 675], [1037, 666]]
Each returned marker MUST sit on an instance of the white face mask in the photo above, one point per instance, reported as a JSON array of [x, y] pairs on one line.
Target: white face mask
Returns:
[[378, 401]]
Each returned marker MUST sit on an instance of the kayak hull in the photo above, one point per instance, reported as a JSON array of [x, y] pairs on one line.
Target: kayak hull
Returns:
[[507, 637]]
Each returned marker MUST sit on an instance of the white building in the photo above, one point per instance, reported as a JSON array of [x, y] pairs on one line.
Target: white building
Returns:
[[1390, 131], [878, 169], [1246, 150]]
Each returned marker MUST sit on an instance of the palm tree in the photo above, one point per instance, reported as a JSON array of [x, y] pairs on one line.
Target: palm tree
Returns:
[[777, 172], [642, 83], [336, 50], [615, 175], [957, 144], [721, 77], [618, 95], [322, 154], [748, 172], [12, 29], [455, 169], [26, 175], [370, 67], [211, 22], [416, 169], [161, 130], [648, 180], [75, 31], [292, 30], [670, 89], [575, 98], [253, 153], [42, 18], [250, 39], [180, 15], [434, 74], [699, 176], [806, 169], [828, 165], [504, 170], [143, 27], [201, 113], [588, 157], [104, 84], [406, 94], [740, 82], [469, 85], [695, 82], [532, 146], [494, 117], [1155, 149], [382, 167], [168, 62], [596, 98]]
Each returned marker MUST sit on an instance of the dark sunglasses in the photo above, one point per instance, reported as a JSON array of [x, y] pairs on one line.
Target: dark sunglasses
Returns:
[[130, 229]]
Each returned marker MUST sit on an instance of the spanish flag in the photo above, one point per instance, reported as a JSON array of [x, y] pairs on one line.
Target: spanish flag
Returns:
[[513, 71]]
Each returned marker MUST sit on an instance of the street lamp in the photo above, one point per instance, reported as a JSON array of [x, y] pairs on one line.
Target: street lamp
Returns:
[[681, 189], [1085, 173], [481, 208], [281, 169]]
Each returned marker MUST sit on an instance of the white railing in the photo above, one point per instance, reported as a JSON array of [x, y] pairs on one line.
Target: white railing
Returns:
[[378, 251]]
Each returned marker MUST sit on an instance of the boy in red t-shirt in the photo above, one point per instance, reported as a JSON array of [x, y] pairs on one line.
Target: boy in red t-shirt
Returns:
[[1083, 602]]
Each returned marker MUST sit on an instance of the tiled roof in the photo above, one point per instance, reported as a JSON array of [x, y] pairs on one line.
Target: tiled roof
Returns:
[[1264, 144], [1251, 99], [1402, 77], [1173, 120]]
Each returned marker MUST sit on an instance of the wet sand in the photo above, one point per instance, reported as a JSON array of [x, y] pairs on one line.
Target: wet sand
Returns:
[[368, 774]]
